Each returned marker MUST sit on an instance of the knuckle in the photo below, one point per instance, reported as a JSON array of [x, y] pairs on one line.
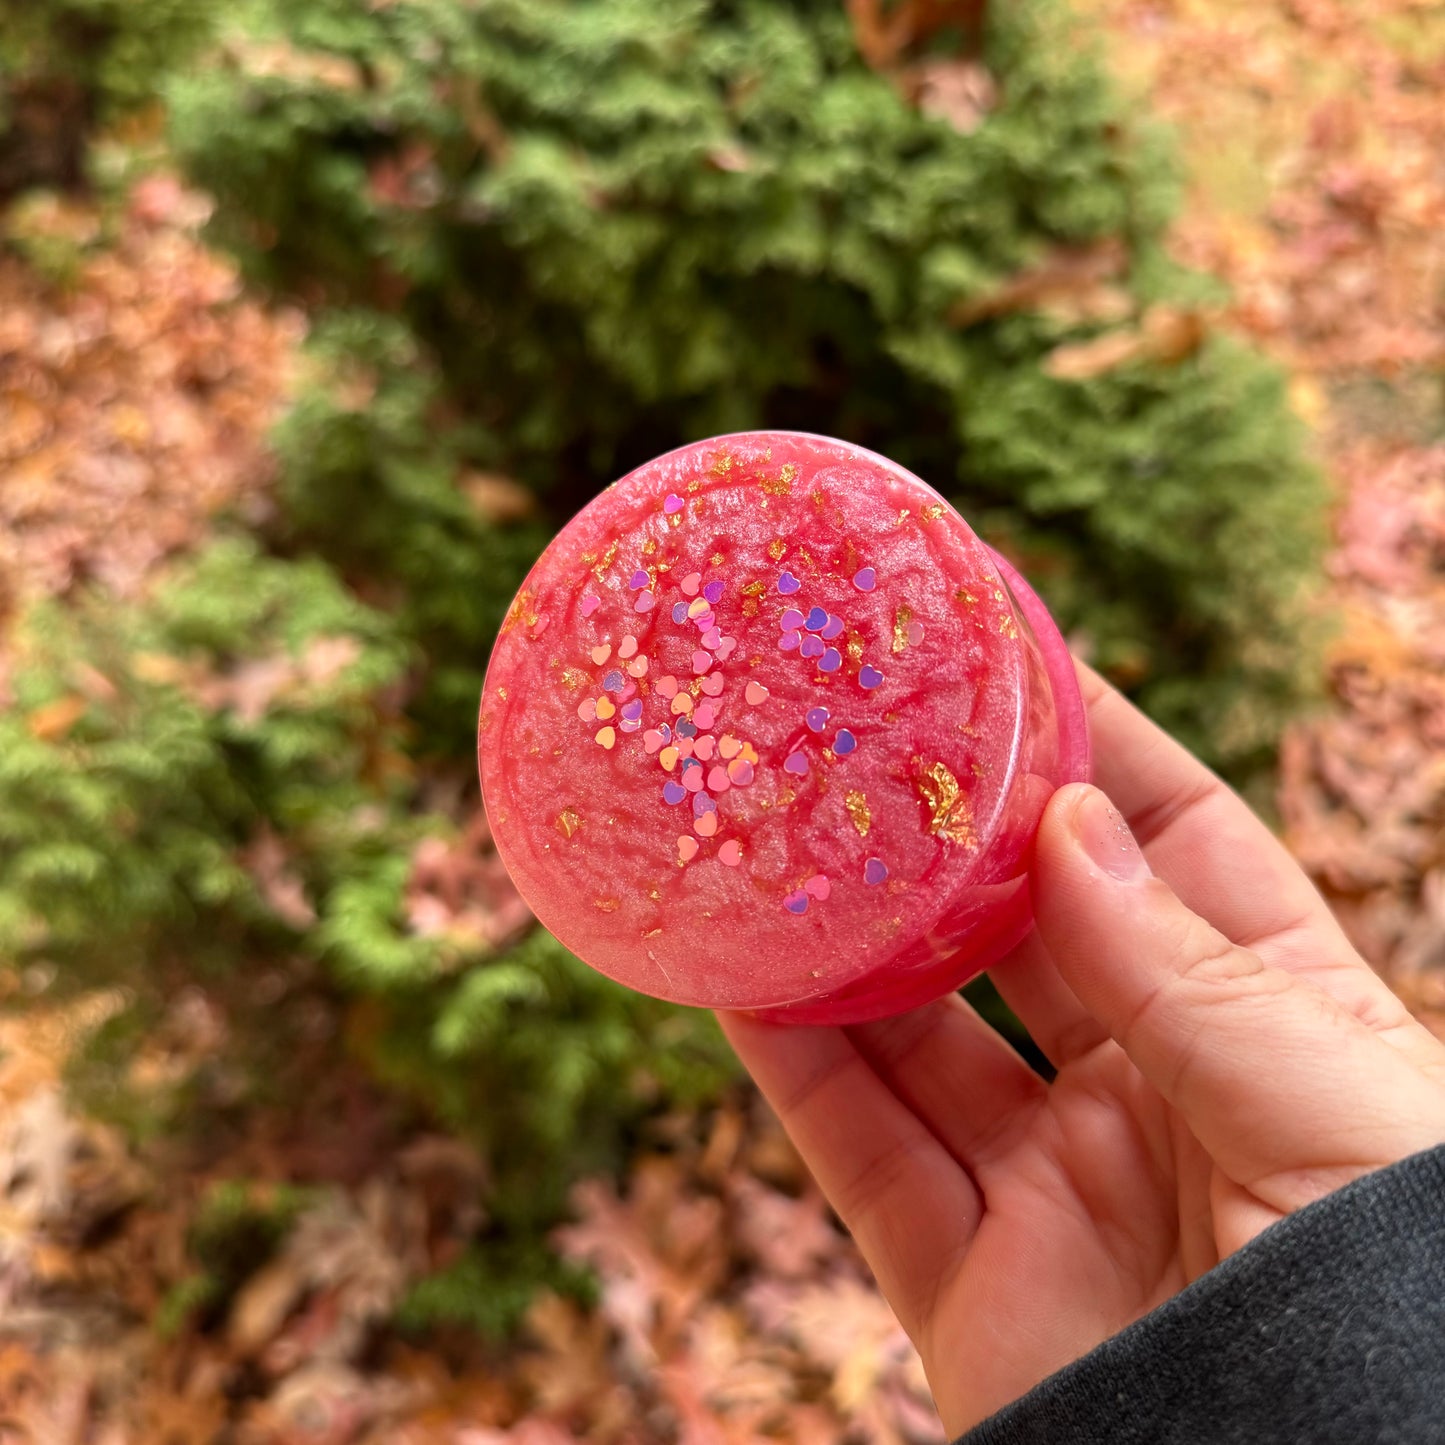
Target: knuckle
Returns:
[[870, 1190], [1206, 963], [1202, 979], [816, 1084]]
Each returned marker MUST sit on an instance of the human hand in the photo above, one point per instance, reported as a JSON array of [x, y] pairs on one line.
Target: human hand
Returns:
[[1212, 1077]]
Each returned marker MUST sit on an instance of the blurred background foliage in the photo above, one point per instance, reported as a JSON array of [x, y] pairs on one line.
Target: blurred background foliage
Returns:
[[536, 243]]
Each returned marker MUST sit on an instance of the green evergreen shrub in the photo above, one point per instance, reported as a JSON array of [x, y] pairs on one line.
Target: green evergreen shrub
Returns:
[[149, 747], [146, 746], [67, 66], [605, 227], [369, 441]]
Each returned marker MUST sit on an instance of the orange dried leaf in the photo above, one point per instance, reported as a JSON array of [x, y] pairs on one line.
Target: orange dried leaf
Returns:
[[498, 499], [1072, 282], [53, 720]]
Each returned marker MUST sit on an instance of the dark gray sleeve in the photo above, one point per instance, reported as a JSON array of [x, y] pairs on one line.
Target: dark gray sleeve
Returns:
[[1329, 1327]]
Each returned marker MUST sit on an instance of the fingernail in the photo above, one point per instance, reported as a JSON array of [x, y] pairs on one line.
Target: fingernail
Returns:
[[1102, 833]]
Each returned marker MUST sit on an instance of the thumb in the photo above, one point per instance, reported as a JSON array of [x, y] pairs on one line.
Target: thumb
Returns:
[[1269, 1071]]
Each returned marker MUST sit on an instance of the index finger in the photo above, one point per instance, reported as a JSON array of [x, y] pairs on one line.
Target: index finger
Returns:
[[1203, 839]]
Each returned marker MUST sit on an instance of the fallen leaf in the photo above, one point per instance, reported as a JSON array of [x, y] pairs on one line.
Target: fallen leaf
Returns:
[[53, 720], [962, 92], [1071, 283], [1164, 335], [268, 860], [497, 499], [788, 1238], [886, 32]]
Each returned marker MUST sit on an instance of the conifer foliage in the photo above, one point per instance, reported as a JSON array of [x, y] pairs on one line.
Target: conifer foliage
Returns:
[[607, 227], [69, 66]]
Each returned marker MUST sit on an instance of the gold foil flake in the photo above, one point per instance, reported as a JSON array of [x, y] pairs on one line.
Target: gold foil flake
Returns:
[[485, 723], [694, 486], [722, 464], [785, 797], [521, 608], [1006, 626], [588, 558], [855, 647], [819, 500], [966, 597], [754, 589], [652, 933], [655, 893], [858, 810], [649, 547], [903, 516], [776, 548], [806, 558], [605, 560], [751, 607], [901, 619], [931, 513], [779, 486], [573, 678], [502, 693], [890, 717], [718, 559], [569, 820], [789, 474], [950, 816], [608, 905]]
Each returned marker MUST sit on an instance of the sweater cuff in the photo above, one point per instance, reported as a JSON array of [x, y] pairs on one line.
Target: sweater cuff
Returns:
[[1329, 1326]]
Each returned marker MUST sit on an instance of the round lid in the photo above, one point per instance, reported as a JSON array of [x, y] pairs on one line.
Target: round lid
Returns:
[[752, 721]]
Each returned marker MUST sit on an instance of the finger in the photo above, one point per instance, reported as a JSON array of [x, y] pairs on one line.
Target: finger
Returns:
[[905, 1199], [1028, 981], [1276, 1080], [967, 1085], [1225, 865], [1197, 834]]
